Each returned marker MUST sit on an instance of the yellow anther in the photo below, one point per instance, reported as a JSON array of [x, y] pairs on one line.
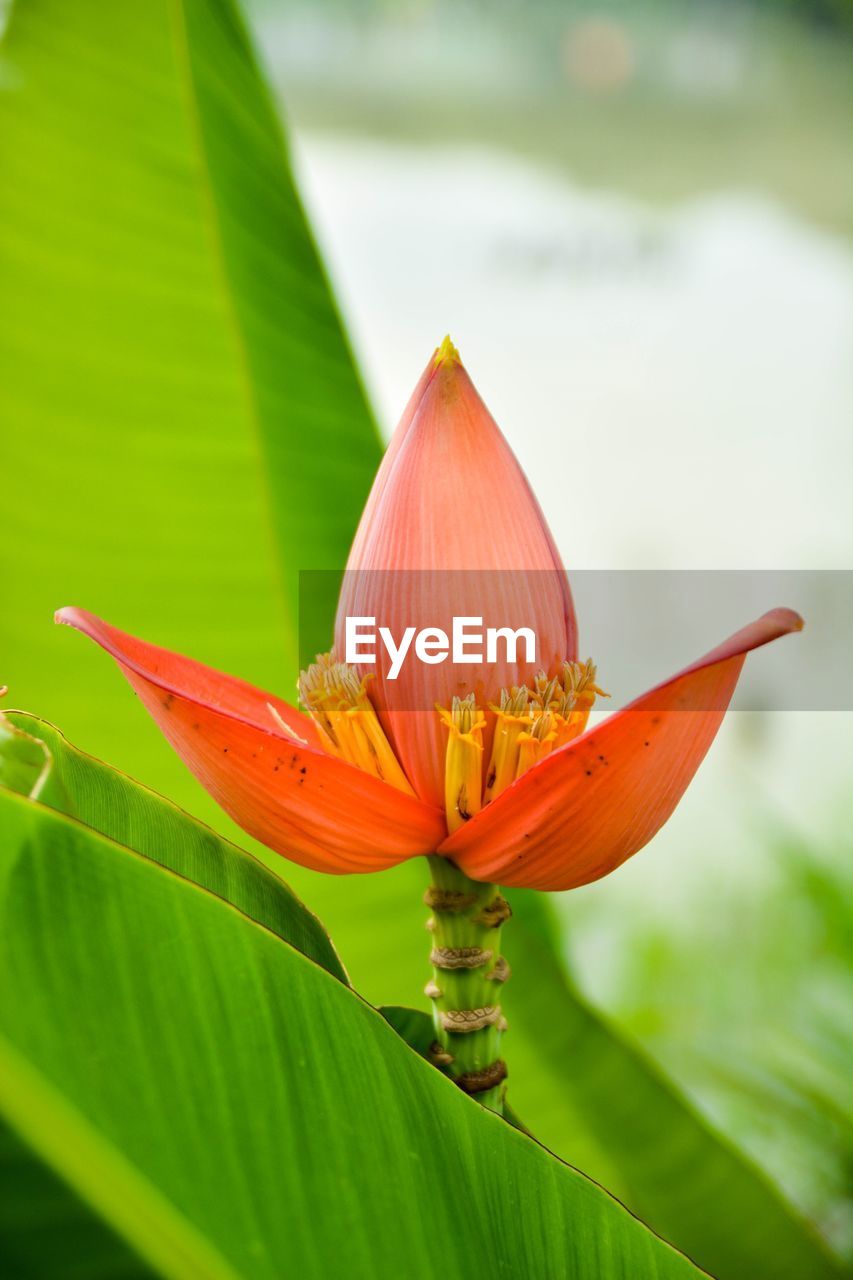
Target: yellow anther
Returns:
[[512, 718], [579, 691], [514, 701], [545, 691], [463, 767], [579, 680], [342, 685], [346, 719], [312, 691], [537, 742]]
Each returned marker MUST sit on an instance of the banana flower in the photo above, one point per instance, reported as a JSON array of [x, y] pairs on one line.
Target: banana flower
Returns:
[[487, 768]]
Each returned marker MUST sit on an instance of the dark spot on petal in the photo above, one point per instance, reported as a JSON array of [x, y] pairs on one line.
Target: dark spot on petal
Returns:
[[225, 750], [655, 719], [304, 769], [589, 773], [647, 744], [168, 700]]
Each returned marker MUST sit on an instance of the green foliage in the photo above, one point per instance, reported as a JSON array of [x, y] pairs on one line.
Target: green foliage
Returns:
[[584, 1092], [229, 1108], [764, 1038], [186, 429], [46, 1229], [131, 815]]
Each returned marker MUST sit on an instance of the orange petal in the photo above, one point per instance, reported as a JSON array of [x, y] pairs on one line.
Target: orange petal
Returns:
[[586, 808], [279, 786], [452, 529], [386, 466]]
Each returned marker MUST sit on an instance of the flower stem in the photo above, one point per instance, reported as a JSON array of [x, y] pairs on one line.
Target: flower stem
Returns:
[[468, 970]]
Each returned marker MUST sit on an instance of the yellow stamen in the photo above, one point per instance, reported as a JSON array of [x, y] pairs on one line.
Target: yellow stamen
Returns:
[[463, 768], [529, 725], [312, 691], [537, 743], [545, 691], [512, 718], [579, 691], [346, 719], [446, 353], [579, 679]]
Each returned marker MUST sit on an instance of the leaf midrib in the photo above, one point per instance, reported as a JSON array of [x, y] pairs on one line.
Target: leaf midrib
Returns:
[[94, 1168], [213, 223]]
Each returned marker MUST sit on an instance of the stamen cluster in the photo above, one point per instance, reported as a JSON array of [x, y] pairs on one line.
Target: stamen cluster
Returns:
[[346, 719], [529, 724]]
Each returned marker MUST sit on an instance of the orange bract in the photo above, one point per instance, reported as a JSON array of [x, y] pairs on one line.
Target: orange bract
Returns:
[[284, 789]]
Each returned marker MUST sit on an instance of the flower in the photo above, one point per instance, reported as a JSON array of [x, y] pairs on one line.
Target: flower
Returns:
[[492, 765]]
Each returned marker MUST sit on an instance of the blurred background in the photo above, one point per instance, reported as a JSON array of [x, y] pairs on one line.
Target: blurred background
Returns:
[[635, 222]]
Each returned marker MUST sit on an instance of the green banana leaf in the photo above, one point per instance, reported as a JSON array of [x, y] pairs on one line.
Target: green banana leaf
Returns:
[[132, 815], [185, 429], [228, 1108], [583, 1090]]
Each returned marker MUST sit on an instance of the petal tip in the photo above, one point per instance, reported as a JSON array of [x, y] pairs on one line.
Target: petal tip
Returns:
[[785, 620], [89, 624], [80, 619]]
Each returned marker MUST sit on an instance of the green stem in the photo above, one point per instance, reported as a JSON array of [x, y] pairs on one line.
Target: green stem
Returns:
[[468, 973]]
